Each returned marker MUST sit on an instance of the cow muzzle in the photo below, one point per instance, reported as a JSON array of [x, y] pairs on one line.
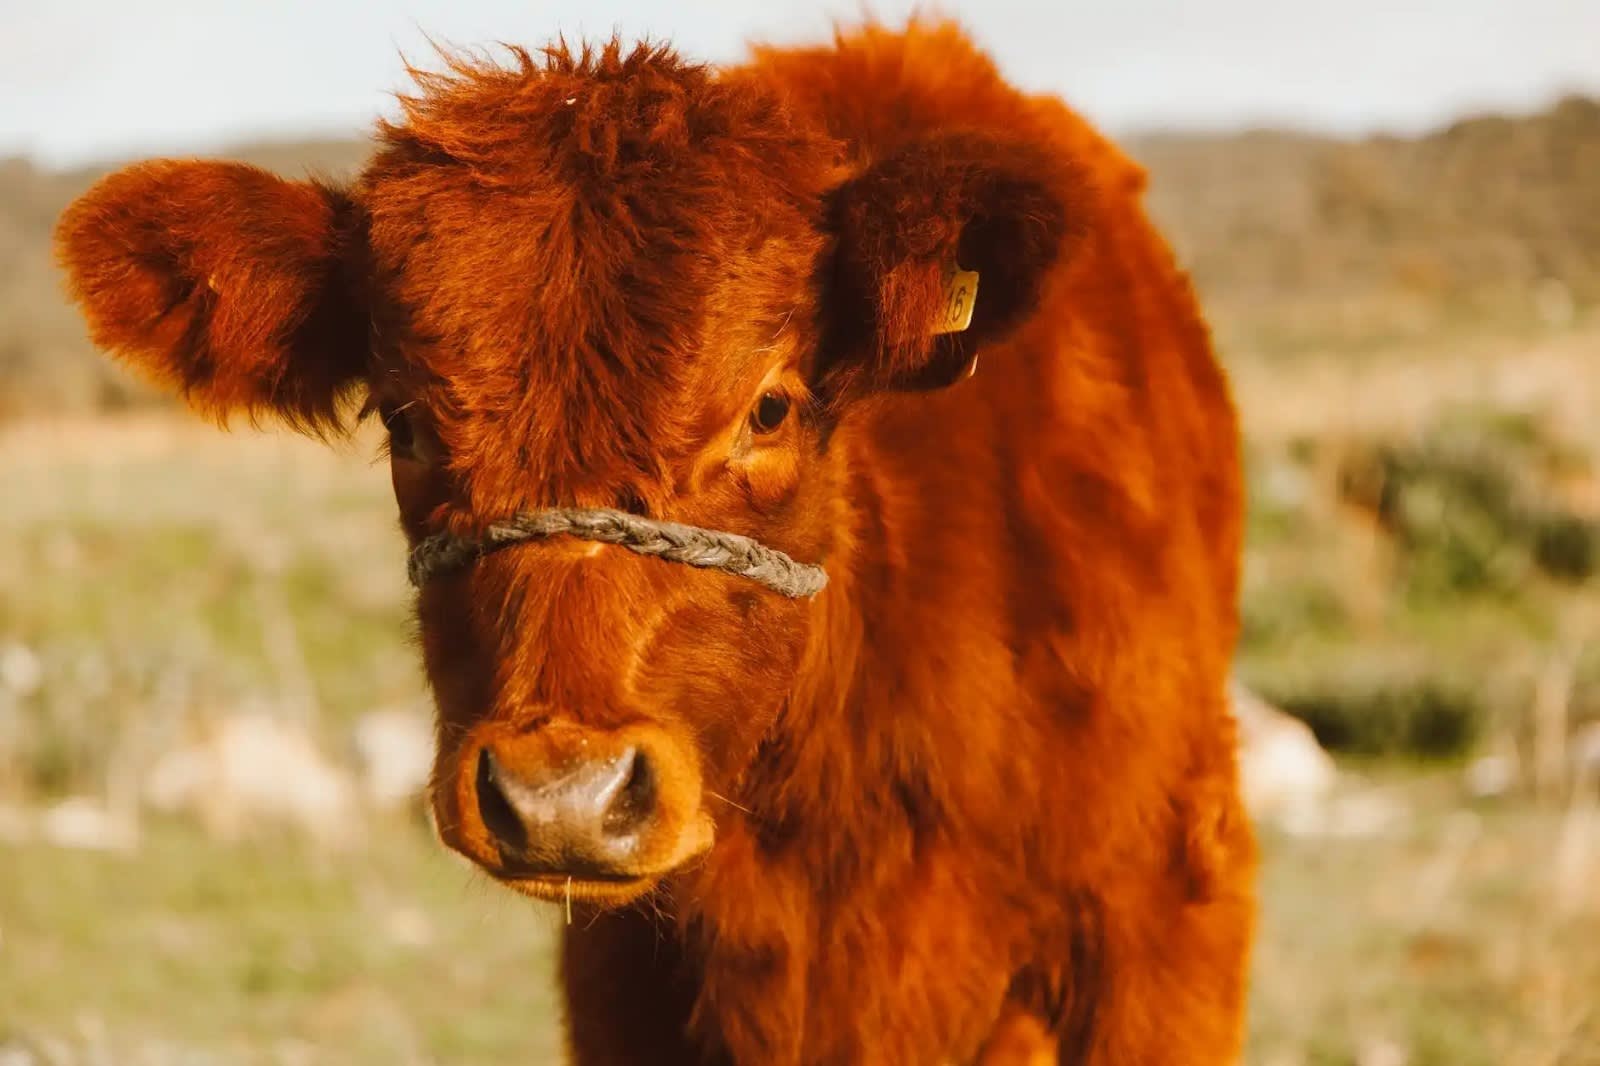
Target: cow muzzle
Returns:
[[562, 812]]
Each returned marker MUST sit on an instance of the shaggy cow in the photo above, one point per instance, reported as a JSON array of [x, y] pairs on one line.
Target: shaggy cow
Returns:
[[976, 799]]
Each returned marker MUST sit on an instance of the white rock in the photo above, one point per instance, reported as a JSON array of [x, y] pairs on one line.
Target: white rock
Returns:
[[1383, 1053], [1285, 773], [1489, 776], [394, 752], [1369, 812], [255, 769], [20, 669], [1283, 484], [86, 824]]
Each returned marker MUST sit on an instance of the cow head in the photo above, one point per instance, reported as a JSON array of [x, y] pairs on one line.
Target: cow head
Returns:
[[609, 279]]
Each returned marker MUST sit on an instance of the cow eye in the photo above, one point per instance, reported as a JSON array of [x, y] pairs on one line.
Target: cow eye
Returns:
[[769, 412], [402, 440]]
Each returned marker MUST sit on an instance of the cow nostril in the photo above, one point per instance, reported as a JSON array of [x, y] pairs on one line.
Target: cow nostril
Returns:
[[634, 801], [499, 818], [588, 815]]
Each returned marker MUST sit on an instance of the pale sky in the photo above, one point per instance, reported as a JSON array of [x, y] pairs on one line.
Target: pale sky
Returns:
[[87, 80]]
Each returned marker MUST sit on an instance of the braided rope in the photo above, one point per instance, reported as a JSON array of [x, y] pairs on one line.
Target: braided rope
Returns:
[[708, 549]]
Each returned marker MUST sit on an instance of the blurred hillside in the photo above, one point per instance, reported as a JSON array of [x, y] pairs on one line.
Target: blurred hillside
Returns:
[[1297, 242], [46, 361], [1303, 242]]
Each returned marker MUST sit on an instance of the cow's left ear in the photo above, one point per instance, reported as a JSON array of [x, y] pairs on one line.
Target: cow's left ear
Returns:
[[939, 249]]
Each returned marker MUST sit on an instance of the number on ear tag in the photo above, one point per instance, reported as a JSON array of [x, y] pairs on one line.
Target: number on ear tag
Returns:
[[960, 296]]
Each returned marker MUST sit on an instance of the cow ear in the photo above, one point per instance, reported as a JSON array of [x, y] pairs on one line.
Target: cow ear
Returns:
[[223, 281], [938, 250]]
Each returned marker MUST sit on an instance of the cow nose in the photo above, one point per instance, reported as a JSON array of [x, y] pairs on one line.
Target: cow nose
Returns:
[[583, 820]]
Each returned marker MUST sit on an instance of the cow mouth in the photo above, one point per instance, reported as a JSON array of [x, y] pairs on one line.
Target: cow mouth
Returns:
[[603, 891], [607, 888]]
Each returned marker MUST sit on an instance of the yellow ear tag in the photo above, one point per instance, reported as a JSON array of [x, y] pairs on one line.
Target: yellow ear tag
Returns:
[[960, 297]]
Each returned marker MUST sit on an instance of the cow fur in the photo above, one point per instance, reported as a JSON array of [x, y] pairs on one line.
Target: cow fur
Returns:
[[976, 802]]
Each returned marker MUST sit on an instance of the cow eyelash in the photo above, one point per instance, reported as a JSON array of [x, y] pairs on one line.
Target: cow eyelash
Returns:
[[402, 437]]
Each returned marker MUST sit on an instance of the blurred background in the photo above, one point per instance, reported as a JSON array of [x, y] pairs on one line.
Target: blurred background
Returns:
[[212, 726]]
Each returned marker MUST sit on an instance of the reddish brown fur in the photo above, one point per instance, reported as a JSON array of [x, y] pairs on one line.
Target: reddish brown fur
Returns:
[[978, 800]]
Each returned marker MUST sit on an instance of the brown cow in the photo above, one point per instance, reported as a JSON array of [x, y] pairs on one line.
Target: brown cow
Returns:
[[976, 800]]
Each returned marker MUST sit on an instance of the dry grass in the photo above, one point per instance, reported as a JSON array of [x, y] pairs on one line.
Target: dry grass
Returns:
[[273, 952], [1458, 940], [1394, 391], [1455, 940]]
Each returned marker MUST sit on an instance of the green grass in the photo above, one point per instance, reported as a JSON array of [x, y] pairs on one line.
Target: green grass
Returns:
[[164, 574], [393, 953], [197, 573], [1448, 939]]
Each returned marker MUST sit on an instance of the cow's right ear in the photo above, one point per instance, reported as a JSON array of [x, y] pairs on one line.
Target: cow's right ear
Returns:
[[223, 281], [939, 249]]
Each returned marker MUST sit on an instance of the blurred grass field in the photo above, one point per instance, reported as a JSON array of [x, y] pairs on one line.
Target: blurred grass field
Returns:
[[1436, 942], [271, 951], [1453, 943], [164, 574]]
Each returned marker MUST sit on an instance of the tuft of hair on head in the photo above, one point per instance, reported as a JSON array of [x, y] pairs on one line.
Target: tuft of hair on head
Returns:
[[501, 118]]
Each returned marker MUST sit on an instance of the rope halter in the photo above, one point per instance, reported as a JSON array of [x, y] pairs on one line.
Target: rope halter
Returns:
[[708, 549]]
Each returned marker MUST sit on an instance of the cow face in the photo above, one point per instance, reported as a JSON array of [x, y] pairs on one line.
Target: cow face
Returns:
[[601, 280]]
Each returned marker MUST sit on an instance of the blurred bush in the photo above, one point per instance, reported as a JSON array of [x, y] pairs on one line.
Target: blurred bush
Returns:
[[1476, 505], [1414, 715], [1403, 590]]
